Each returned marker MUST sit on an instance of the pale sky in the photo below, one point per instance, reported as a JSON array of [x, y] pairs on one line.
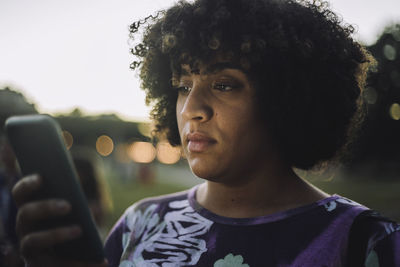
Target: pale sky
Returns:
[[75, 53]]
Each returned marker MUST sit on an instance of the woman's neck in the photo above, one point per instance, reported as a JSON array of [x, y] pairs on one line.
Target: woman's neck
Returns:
[[259, 193]]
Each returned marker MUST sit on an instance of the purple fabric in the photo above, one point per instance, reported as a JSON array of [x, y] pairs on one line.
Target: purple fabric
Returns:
[[175, 230]]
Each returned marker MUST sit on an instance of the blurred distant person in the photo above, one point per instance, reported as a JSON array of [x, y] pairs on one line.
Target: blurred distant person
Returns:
[[93, 186], [146, 174], [9, 175], [11, 103]]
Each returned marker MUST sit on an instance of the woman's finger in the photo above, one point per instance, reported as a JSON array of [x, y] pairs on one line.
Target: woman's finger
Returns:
[[24, 189], [31, 213], [37, 244]]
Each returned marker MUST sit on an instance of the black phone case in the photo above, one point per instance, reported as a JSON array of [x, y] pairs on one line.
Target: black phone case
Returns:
[[39, 148]]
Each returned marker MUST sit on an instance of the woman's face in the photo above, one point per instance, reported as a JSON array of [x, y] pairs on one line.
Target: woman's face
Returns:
[[215, 110]]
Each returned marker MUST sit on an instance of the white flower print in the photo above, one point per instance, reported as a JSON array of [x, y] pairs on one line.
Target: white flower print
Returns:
[[171, 242], [331, 205]]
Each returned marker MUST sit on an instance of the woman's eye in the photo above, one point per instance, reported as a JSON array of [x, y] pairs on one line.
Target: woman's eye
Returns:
[[184, 89], [223, 86]]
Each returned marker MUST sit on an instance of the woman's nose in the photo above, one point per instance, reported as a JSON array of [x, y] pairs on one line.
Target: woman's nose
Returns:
[[197, 105]]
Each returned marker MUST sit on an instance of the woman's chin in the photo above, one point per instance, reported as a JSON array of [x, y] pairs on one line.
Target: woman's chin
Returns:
[[203, 174], [209, 174], [210, 167], [203, 171]]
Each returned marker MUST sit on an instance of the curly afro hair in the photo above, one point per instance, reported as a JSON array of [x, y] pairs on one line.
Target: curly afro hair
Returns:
[[307, 70]]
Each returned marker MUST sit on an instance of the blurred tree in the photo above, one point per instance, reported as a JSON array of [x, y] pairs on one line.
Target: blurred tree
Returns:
[[76, 113], [86, 129], [378, 152], [13, 103]]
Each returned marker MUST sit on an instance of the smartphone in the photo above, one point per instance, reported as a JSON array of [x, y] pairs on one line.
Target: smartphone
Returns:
[[39, 148]]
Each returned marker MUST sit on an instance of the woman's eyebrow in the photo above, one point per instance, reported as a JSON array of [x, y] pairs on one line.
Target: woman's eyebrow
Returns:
[[213, 68], [221, 66]]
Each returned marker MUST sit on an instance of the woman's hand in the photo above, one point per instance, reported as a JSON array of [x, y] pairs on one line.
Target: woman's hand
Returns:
[[37, 245]]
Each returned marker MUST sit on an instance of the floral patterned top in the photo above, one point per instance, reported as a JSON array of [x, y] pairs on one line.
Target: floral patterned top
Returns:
[[174, 230]]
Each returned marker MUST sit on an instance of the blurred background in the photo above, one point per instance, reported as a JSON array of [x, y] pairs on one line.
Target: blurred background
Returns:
[[71, 59]]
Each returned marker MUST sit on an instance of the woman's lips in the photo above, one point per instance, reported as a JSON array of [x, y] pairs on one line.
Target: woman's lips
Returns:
[[198, 142]]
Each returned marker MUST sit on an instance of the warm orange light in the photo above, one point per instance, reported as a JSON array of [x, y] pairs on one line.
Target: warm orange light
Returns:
[[104, 145], [142, 152], [68, 139], [167, 154], [394, 111]]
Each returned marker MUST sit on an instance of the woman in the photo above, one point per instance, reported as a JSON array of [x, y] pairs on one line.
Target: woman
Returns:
[[250, 90]]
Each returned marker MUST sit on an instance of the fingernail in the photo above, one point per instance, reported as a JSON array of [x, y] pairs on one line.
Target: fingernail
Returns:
[[34, 178]]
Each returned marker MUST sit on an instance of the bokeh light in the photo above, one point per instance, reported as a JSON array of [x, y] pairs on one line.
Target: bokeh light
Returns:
[[142, 152], [370, 95], [104, 145], [168, 154], [396, 35], [389, 51], [68, 139], [394, 111]]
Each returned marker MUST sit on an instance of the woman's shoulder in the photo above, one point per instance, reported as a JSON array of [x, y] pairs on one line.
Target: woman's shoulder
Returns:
[[368, 238], [365, 221], [374, 238]]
